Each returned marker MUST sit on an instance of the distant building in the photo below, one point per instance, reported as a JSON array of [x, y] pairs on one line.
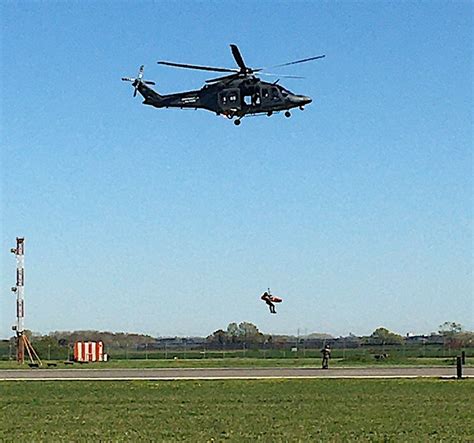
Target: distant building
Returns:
[[176, 343], [433, 339]]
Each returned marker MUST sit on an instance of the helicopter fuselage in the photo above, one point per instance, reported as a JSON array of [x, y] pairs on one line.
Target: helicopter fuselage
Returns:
[[235, 98]]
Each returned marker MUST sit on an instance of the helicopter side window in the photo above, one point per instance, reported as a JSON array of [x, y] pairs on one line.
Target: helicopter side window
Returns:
[[223, 99], [256, 98], [252, 99], [265, 93], [232, 98], [275, 94]]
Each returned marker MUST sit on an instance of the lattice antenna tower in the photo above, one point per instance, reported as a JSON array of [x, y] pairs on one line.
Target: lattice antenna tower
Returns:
[[22, 341]]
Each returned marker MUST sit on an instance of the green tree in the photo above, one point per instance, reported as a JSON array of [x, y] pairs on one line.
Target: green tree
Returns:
[[250, 333], [454, 337], [450, 328], [233, 332], [248, 330], [382, 336], [218, 336]]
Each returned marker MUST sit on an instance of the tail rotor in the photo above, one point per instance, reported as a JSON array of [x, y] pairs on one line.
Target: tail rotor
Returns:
[[136, 82]]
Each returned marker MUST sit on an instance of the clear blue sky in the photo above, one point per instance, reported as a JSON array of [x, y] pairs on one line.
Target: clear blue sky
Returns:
[[357, 211]]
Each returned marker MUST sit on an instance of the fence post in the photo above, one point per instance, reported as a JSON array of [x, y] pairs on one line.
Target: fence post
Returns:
[[463, 357], [459, 367]]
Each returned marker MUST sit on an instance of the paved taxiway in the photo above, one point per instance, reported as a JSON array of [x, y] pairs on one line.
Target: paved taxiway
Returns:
[[228, 373]]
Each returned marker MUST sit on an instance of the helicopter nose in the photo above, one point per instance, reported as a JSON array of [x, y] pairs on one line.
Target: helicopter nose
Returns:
[[304, 100]]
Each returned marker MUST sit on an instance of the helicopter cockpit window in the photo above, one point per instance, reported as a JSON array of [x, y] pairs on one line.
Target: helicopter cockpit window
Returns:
[[285, 92], [275, 94]]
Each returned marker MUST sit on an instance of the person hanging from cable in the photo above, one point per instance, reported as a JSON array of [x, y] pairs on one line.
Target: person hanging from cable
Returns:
[[270, 300], [266, 298]]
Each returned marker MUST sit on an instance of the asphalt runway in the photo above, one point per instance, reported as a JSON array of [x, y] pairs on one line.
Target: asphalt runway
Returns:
[[230, 373]]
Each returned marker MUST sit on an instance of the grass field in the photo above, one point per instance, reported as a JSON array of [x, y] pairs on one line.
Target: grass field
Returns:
[[235, 362], [236, 410]]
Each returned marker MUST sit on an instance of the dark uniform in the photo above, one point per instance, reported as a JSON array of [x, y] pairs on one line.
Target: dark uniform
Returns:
[[267, 298], [326, 351]]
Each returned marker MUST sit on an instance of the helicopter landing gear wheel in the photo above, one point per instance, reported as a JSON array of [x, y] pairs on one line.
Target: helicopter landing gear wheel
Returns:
[[237, 122], [302, 108], [229, 116], [269, 113], [287, 114]]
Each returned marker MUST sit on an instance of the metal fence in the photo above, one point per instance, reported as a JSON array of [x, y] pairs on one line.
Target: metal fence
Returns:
[[187, 350]]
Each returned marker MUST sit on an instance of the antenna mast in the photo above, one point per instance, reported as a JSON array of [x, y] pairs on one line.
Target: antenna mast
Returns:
[[19, 327], [22, 341]]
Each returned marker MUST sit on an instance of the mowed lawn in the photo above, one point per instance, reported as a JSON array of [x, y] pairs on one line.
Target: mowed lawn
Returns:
[[251, 363], [238, 410]]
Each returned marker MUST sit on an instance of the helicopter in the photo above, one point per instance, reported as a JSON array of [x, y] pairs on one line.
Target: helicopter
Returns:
[[235, 95]]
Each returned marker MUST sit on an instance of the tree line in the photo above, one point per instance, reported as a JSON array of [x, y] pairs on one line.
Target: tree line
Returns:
[[245, 334]]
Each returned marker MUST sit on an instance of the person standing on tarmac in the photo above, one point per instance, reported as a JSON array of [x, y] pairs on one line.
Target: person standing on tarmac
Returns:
[[326, 352]]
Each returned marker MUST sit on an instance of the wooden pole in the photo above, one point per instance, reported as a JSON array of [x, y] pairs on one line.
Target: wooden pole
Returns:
[[20, 348]]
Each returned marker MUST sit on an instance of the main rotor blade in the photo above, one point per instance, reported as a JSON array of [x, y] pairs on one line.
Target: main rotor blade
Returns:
[[224, 78], [238, 57], [202, 68], [281, 75], [298, 61]]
